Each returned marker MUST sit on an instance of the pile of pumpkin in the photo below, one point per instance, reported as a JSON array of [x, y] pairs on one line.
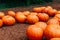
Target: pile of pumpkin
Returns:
[[44, 22], [48, 25]]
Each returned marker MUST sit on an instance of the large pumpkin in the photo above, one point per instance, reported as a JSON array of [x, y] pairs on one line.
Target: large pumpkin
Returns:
[[34, 33], [43, 25], [52, 31]]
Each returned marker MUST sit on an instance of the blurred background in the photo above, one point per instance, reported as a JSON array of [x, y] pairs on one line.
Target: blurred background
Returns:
[[17, 3]]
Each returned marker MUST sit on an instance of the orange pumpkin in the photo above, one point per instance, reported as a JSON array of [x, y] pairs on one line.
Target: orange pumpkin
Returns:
[[43, 16], [11, 13], [26, 13], [34, 33], [20, 17], [38, 9], [52, 12], [41, 24], [52, 31], [58, 12], [1, 23], [33, 13], [45, 10], [2, 14], [32, 19], [57, 16], [8, 20], [19, 12], [55, 39], [49, 7], [53, 21], [42, 8]]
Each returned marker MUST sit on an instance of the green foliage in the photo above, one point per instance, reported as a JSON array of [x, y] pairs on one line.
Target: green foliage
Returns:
[[14, 3]]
